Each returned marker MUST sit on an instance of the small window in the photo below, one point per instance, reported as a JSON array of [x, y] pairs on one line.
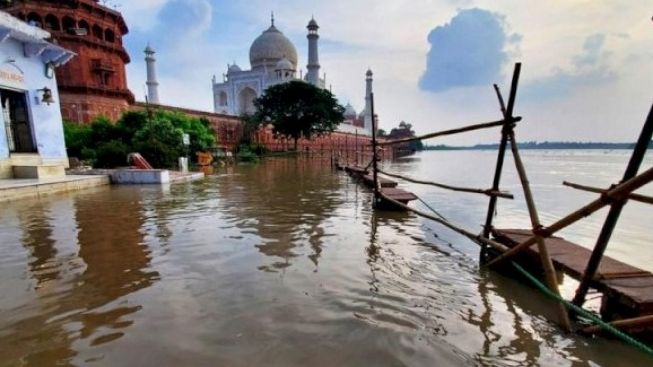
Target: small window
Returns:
[[68, 24], [97, 32], [35, 20], [52, 23], [109, 36], [83, 28]]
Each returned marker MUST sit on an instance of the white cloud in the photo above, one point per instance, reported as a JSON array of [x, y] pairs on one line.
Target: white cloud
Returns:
[[391, 37]]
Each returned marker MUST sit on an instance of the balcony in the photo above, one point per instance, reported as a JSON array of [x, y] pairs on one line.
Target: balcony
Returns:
[[103, 65]]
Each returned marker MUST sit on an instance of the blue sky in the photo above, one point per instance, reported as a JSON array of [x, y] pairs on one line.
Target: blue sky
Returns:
[[587, 70]]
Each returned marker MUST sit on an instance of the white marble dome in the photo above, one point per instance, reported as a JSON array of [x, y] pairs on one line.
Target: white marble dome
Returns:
[[269, 48], [284, 64], [234, 69], [350, 111]]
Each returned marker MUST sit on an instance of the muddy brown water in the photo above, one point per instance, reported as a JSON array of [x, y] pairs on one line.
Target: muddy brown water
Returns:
[[284, 264]]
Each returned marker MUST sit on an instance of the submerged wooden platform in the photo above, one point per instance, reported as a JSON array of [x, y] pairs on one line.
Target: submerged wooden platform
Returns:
[[399, 195], [384, 182], [625, 287]]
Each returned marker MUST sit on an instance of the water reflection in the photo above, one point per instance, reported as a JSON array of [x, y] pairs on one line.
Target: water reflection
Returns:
[[281, 263], [286, 204], [76, 297], [35, 222]]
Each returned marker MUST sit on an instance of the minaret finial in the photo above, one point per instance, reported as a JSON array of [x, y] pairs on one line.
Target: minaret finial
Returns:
[[272, 18]]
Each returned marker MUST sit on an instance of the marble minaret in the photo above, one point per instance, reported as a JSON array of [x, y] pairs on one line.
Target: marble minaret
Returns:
[[368, 101], [152, 83], [313, 74]]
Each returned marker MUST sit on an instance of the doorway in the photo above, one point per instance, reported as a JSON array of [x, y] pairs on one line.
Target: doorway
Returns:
[[17, 124]]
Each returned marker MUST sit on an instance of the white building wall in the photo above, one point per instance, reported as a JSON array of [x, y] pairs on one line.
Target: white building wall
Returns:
[[46, 120]]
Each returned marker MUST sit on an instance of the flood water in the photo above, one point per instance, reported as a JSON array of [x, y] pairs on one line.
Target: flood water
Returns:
[[284, 263]]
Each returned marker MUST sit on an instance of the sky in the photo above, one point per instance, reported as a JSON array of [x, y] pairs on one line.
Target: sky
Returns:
[[587, 68]]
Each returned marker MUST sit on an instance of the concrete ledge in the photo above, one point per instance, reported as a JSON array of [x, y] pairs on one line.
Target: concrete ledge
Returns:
[[39, 172], [25, 159], [179, 177], [5, 168], [140, 176], [15, 189]]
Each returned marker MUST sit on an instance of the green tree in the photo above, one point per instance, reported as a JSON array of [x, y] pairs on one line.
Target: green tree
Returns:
[[77, 138], [157, 135], [297, 109], [160, 142]]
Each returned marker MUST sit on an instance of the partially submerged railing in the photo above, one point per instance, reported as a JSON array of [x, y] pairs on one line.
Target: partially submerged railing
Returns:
[[615, 197]]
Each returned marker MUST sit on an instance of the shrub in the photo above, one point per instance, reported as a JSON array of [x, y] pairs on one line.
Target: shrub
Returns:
[[157, 135], [160, 143], [77, 138], [111, 154]]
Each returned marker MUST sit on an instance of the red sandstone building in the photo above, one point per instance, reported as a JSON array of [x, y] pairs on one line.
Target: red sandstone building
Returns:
[[94, 82]]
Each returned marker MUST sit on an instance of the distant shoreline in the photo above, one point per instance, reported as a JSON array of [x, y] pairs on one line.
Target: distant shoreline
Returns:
[[543, 146]]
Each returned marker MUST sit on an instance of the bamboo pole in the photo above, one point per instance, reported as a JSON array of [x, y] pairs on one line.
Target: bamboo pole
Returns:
[[375, 168], [484, 125], [488, 192], [615, 211], [547, 264], [619, 192], [474, 237], [507, 126], [634, 197], [622, 324]]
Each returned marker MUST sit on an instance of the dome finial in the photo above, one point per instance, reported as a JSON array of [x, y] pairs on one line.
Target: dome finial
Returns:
[[272, 18]]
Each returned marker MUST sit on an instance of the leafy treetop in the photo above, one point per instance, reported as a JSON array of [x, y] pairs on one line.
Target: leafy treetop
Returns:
[[297, 109]]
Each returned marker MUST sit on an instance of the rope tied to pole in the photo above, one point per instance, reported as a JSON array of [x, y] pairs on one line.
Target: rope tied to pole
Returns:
[[488, 192]]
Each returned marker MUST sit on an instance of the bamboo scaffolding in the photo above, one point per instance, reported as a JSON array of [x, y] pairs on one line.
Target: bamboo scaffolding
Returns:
[[547, 263], [507, 126], [633, 196], [622, 324], [618, 193], [615, 211], [484, 125], [488, 192]]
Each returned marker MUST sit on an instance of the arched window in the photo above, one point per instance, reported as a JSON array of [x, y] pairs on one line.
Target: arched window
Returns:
[[109, 36], [222, 99], [52, 23], [246, 99], [35, 20], [68, 24], [83, 27], [97, 32]]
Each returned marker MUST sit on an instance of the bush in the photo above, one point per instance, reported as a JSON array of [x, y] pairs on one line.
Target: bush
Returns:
[[78, 137], [88, 154], [157, 135], [160, 143], [111, 154], [244, 154]]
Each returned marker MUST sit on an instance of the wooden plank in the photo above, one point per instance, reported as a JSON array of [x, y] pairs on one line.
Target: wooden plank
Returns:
[[398, 194], [631, 285], [384, 182]]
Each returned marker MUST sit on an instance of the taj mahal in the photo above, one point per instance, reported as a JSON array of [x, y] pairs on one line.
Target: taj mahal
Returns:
[[273, 60]]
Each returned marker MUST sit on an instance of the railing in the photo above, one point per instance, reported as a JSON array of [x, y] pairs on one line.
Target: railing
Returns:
[[614, 197]]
